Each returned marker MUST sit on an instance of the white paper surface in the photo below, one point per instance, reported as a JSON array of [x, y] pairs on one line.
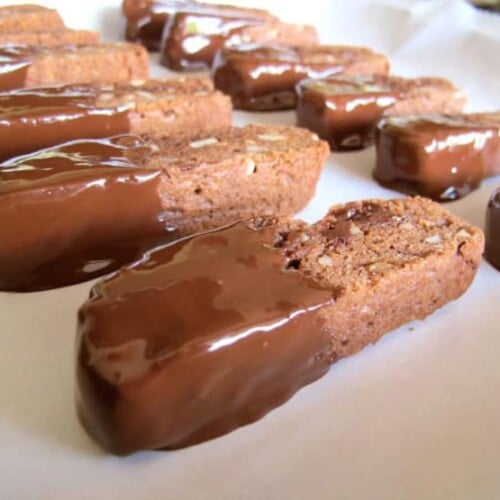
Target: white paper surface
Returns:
[[414, 417]]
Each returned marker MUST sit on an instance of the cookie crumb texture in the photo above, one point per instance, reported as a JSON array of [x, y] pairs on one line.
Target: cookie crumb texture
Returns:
[[51, 38], [25, 18], [34, 66], [212, 179], [390, 261]]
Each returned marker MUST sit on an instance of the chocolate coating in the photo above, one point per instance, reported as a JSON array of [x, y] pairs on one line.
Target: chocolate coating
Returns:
[[78, 211], [192, 38], [32, 119], [146, 20], [442, 157], [14, 63], [196, 339], [492, 230], [343, 111]]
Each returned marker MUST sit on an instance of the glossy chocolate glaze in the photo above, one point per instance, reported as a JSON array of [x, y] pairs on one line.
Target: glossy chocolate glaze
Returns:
[[442, 157], [262, 78], [198, 338], [492, 230], [343, 111], [146, 20], [32, 119], [14, 63], [192, 38], [77, 211]]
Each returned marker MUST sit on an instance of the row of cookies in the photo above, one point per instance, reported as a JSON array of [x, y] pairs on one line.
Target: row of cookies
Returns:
[[425, 144], [339, 92], [195, 336], [153, 160]]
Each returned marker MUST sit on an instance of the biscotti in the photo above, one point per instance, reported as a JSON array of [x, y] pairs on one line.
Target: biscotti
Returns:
[[276, 301], [263, 78], [32, 66], [443, 157], [84, 208], [222, 27], [25, 18], [146, 19], [32, 119], [51, 38], [344, 110], [492, 229], [38, 25], [237, 172]]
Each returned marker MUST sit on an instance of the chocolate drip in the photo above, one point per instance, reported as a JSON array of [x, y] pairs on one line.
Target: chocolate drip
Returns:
[[14, 63], [442, 157], [198, 338], [78, 211], [492, 230], [32, 119], [342, 111]]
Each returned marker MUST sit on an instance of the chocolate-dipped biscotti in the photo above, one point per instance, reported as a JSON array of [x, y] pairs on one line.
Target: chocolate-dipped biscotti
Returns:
[[443, 157], [25, 18], [86, 207], [276, 301], [32, 66], [262, 78], [146, 19], [344, 110], [192, 37], [36, 118]]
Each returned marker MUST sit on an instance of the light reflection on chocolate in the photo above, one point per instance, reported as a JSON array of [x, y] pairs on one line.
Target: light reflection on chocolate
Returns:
[[32, 119], [14, 63], [198, 338], [443, 157], [78, 211]]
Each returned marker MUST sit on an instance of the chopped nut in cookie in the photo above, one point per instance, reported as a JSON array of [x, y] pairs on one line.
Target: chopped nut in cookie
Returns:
[[270, 137], [209, 141]]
